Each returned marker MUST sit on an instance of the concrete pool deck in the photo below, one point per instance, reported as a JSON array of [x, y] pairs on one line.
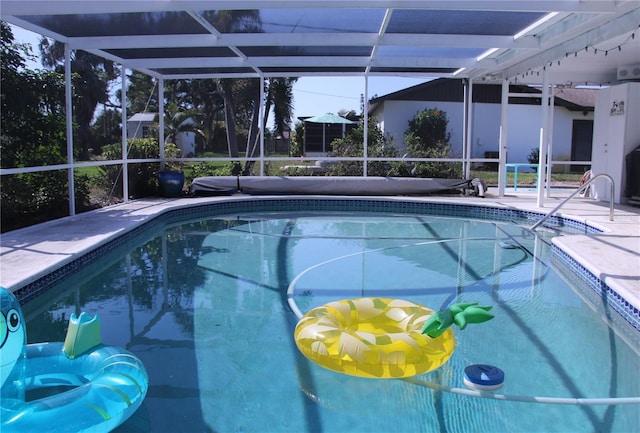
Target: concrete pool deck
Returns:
[[613, 256]]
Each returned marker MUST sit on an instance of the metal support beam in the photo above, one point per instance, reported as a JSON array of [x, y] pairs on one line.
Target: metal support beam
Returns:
[[550, 118], [68, 101], [365, 146], [262, 115], [467, 123], [161, 121], [544, 129], [502, 165], [125, 165]]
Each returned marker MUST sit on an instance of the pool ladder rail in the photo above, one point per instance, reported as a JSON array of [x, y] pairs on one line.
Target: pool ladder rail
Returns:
[[578, 191]]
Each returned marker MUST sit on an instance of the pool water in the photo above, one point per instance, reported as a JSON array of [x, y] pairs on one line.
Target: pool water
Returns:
[[210, 307]]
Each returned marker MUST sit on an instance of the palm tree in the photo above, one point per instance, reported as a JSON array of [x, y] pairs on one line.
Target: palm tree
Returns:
[[91, 78], [230, 116], [177, 120], [279, 95], [232, 21], [207, 100]]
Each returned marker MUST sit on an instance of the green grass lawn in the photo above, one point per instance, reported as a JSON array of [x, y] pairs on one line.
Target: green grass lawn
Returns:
[[491, 178], [89, 171]]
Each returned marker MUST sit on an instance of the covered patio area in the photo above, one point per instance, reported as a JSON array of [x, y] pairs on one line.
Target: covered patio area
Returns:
[[200, 288], [544, 43]]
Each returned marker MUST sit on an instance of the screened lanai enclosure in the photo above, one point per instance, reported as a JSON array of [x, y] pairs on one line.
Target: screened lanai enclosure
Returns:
[[266, 44]]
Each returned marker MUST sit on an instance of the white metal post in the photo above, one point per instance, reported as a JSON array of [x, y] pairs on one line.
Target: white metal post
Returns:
[[68, 101], [549, 136], [161, 121], [467, 130], [542, 161], [502, 165], [365, 146], [261, 115], [125, 165]]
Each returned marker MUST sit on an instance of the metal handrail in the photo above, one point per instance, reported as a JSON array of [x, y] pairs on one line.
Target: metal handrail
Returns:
[[578, 191]]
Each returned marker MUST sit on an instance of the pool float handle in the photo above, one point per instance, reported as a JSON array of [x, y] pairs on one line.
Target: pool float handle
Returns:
[[461, 314], [83, 335]]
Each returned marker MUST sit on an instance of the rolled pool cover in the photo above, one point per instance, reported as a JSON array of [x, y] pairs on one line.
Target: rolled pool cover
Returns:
[[330, 185]]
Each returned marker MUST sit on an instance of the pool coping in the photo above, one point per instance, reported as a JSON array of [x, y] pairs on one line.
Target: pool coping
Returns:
[[609, 259]]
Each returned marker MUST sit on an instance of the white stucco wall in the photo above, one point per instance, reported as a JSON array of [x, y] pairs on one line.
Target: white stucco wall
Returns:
[[186, 141], [524, 122], [396, 116], [615, 135], [135, 129]]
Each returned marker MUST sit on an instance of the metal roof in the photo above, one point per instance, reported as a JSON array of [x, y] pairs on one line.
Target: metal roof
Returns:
[[579, 41], [446, 90], [142, 117]]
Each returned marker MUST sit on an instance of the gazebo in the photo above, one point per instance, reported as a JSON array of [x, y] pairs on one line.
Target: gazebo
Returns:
[[337, 129]]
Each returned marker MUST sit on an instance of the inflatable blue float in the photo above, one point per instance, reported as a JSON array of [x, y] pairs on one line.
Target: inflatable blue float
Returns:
[[80, 385]]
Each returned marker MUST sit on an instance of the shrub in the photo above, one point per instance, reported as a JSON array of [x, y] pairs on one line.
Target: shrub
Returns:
[[429, 127], [31, 198], [142, 176], [427, 137], [379, 146], [297, 140]]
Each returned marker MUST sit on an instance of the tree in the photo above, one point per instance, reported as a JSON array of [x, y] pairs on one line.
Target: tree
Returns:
[[279, 95], [32, 110], [232, 21], [106, 129], [230, 116], [208, 102], [91, 79], [142, 94], [32, 116], [427, 137]]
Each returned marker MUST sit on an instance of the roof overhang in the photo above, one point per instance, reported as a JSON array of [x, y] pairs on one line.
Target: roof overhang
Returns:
[[577, 41]]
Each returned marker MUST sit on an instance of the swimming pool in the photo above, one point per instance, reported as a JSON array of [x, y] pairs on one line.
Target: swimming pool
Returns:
[[206, 303]]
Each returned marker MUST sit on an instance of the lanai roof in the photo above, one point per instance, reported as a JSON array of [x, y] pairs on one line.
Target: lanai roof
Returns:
[[579, 41]]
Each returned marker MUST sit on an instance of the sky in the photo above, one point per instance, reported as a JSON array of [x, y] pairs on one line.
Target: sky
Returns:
[[313, 96]]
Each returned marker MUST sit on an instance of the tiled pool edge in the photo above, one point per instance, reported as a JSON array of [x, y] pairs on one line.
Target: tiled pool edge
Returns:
[[600, 289], [271, 204]]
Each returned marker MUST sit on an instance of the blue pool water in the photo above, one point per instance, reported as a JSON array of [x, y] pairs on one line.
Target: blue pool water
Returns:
[[209, 306]]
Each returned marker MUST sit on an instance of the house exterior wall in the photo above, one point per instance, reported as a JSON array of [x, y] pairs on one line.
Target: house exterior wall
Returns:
[[616, 133], [186, 141], [397, 114], [137, 129], [524, 123]]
